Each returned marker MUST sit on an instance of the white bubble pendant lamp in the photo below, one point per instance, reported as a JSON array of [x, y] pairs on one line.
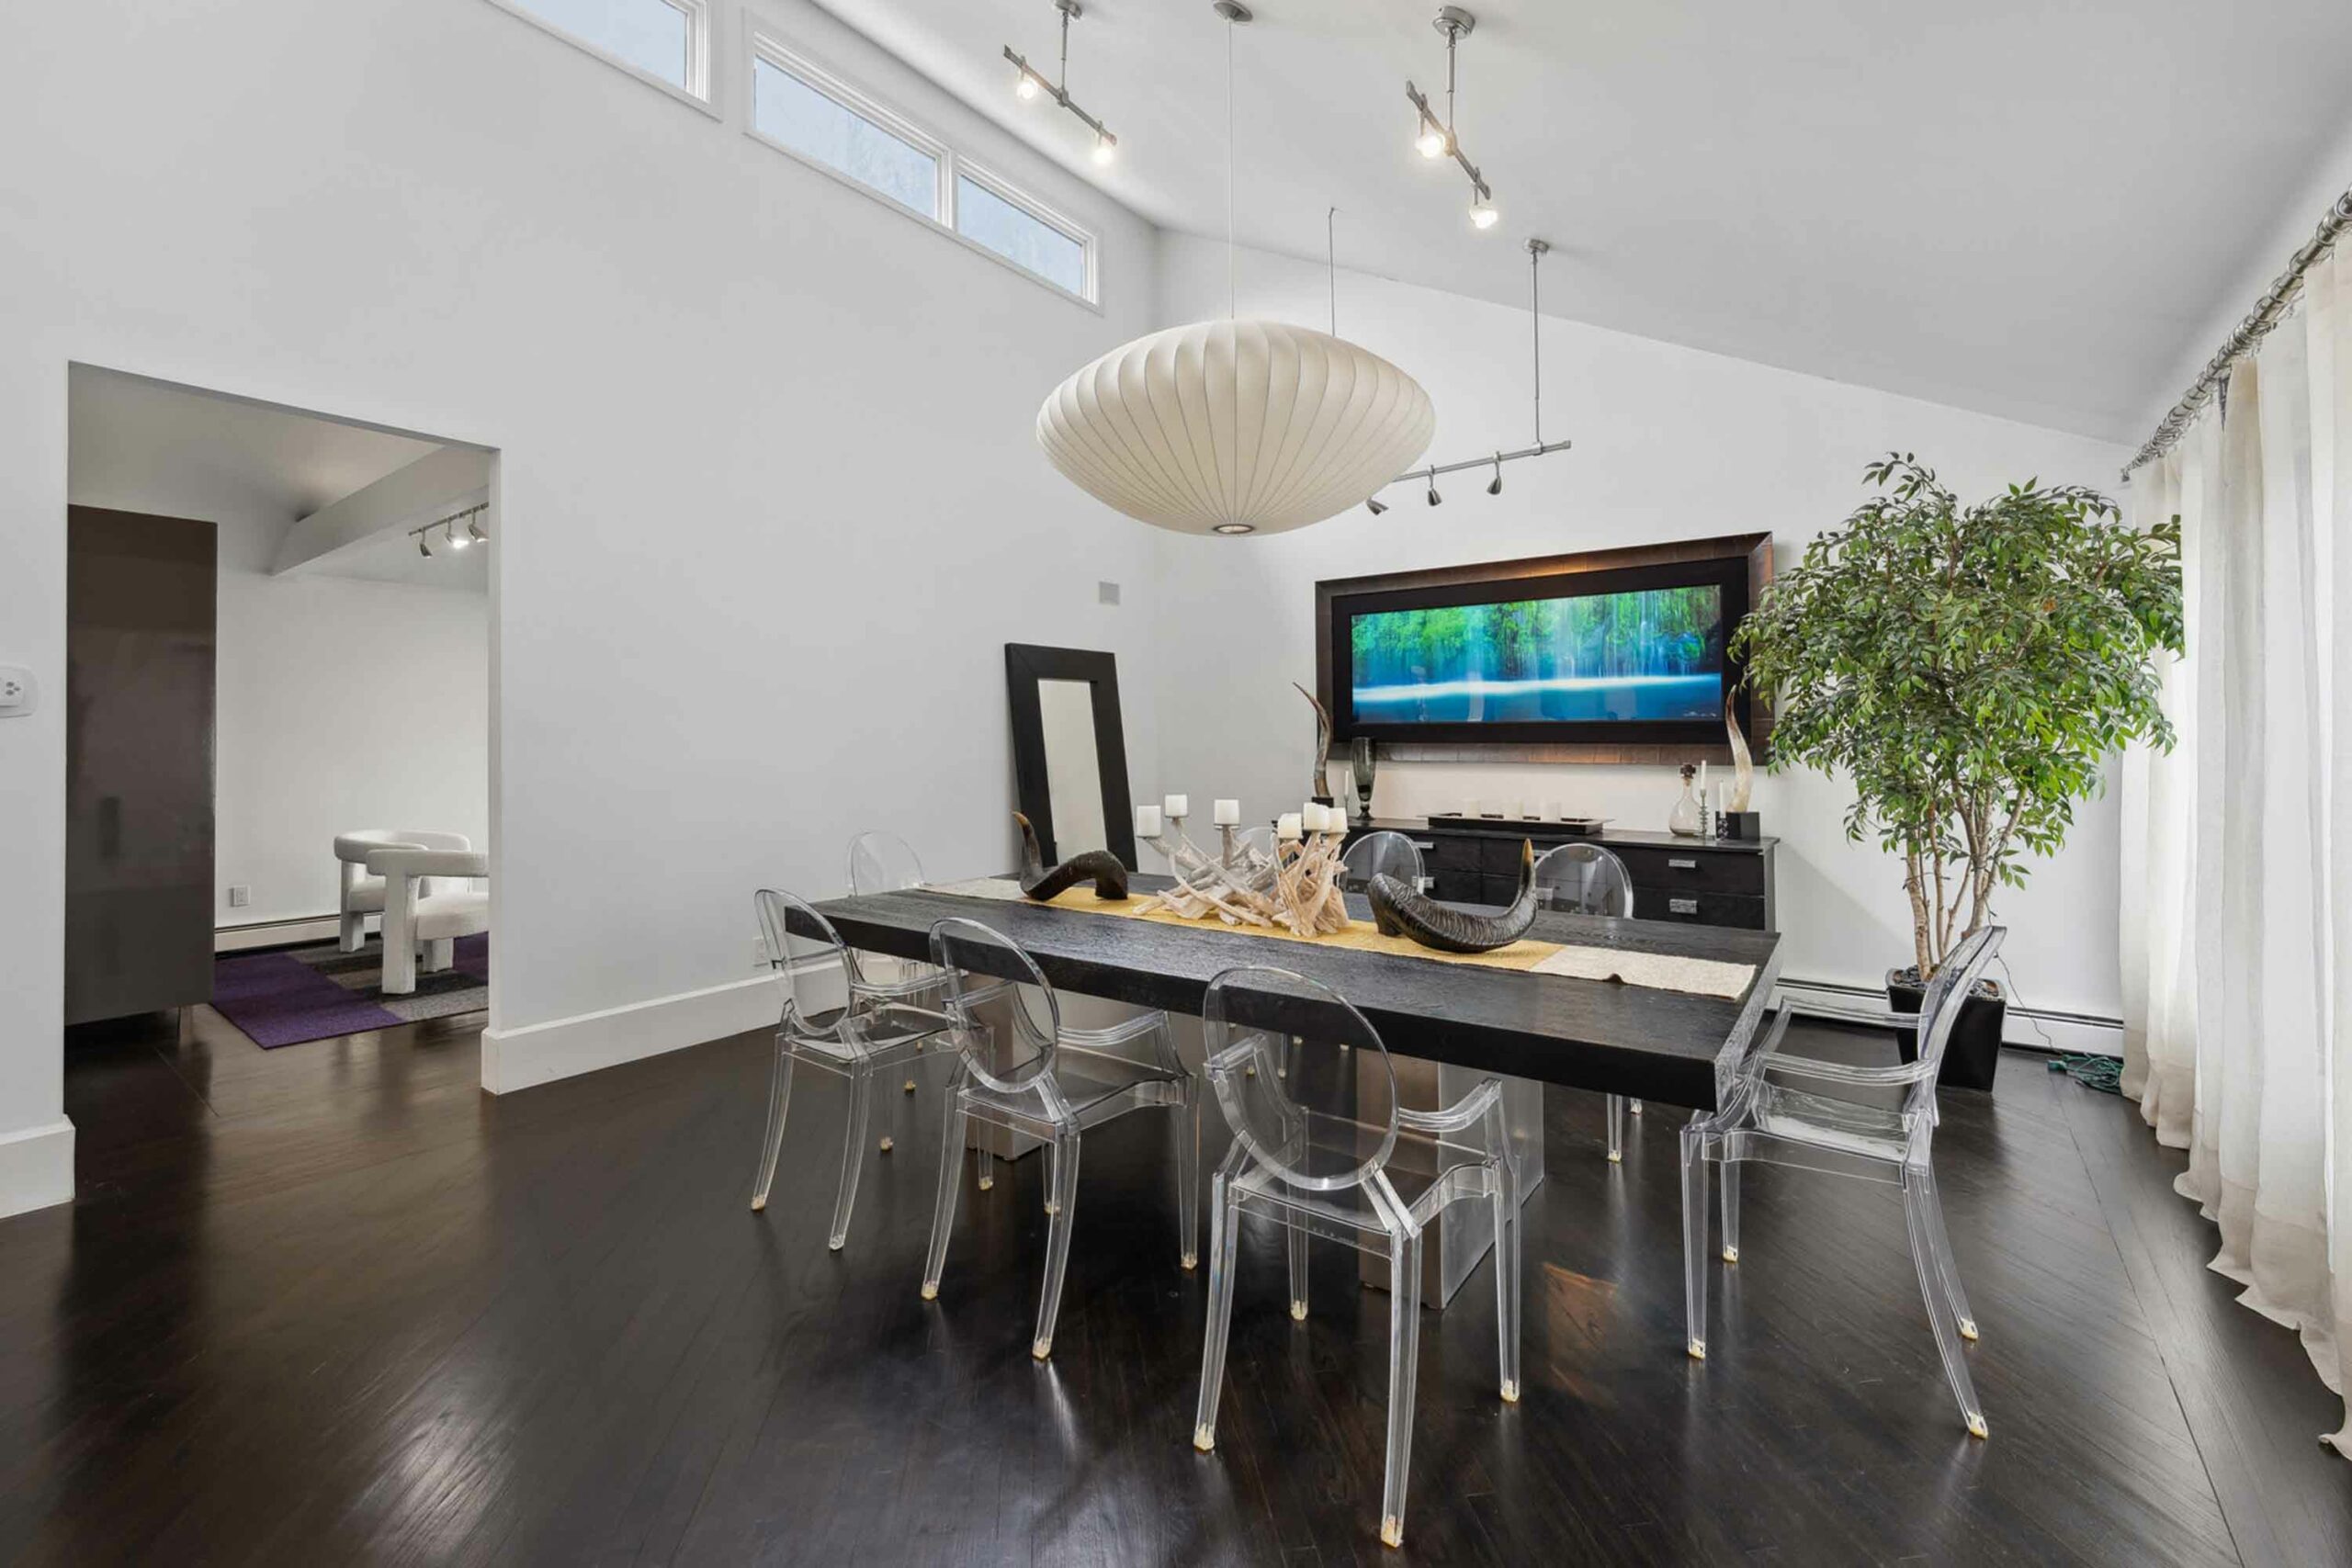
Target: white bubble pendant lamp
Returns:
[[1243, 426], [1235, 426]]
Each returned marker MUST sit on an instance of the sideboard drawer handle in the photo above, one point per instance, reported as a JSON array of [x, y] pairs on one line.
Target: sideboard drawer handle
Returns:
[[1683, 865], [1425, 843], [1683, 906]]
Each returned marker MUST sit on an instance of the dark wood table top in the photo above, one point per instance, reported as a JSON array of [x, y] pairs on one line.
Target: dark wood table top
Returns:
[[1592, 1034]]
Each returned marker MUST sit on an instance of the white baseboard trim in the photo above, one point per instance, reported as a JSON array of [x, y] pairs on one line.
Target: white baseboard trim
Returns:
[[566, 1047], [276, 933], [37, 1167], [2066, 1032]]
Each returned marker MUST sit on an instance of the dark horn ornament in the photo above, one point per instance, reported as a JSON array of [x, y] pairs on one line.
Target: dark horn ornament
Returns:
[[1398, 910], [1043, 884]]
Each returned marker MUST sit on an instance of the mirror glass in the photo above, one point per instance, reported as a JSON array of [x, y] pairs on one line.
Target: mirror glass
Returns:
[[1073, 767]]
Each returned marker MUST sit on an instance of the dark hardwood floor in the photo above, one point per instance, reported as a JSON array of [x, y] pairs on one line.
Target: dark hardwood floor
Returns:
[[332, 1303]]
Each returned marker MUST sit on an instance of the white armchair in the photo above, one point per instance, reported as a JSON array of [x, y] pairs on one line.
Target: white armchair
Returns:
[[363, 892], [422, 910]]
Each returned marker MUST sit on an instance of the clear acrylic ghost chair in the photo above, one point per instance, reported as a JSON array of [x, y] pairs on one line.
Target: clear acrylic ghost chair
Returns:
[[884, 863], [1585, 879], [1383, 854], [1326, 1169], [834, 1020], [1763, 1118], [1037, 1075]]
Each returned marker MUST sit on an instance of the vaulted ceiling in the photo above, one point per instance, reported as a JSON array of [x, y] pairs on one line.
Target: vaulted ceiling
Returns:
[[2015, 205]]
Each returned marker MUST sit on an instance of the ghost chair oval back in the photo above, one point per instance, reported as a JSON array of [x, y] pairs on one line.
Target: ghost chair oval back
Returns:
[[1024, 1069], [1383, 854], [1585, 879], [1871, 1123], [833, 1019], [1305, 1157]]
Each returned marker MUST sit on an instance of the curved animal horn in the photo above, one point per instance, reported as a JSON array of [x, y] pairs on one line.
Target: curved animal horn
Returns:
[[1043, 883], [1399, 910]]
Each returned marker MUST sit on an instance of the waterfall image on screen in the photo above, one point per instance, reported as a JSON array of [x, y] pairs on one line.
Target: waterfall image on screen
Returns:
[[1649, 655]]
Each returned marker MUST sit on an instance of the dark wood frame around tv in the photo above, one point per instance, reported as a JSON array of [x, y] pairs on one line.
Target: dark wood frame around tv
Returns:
[[1741, 562]]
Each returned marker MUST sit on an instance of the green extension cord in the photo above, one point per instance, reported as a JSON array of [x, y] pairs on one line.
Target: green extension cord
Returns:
[[2104, 1074]]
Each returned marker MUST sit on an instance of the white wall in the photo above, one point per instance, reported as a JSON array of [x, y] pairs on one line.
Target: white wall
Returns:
[[1669, 443], [317, 733], [769, 503]]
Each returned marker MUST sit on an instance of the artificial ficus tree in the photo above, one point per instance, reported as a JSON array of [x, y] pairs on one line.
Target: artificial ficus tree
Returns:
[[1970, 669]]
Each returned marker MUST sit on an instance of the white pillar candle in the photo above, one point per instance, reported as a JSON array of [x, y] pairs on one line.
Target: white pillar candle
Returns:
[[1286, 827], [1147, 821], [1227, 813], [1703, 784], [1177, 807]]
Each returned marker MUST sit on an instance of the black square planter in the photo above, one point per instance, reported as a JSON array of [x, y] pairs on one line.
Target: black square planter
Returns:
[[1974, 1049]]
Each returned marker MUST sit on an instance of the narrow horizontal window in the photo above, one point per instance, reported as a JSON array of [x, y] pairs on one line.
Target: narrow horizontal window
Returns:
[[661, 38], [795, 113], [1020, 236]]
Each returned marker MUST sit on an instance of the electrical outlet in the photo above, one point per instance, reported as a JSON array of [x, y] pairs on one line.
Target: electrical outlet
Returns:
[[16, 691], [240, 895]]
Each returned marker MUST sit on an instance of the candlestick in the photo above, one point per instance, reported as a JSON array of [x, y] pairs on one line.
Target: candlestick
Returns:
[[1227, 813]]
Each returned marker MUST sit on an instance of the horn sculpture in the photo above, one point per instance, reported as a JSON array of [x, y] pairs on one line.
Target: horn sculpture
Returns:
[[1743, 766], [1321, 787], [1042, 883], [1398, 910]]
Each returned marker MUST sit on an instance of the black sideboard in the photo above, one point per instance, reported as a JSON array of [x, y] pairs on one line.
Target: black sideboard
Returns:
[[1723, 882]]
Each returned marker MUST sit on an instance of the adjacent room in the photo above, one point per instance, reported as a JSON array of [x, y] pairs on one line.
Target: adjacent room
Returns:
[[1260, 782]]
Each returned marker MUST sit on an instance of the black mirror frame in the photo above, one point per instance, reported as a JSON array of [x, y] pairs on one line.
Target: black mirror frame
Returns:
[[1025, 664]]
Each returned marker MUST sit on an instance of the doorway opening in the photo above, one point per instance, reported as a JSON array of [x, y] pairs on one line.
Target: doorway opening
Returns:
[[278, 733]]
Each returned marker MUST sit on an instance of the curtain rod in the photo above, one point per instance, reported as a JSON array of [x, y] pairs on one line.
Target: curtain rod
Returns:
[[2267, 313]]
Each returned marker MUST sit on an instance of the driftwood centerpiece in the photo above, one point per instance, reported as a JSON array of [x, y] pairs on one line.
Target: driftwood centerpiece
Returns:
[[1298, 887], [1398, 910], [1042, 883]]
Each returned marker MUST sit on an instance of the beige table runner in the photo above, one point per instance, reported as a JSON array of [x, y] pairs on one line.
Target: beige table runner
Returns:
[[1660, 972]]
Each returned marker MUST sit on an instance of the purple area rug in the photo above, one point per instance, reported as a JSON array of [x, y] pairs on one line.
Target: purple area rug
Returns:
[[317, 993]]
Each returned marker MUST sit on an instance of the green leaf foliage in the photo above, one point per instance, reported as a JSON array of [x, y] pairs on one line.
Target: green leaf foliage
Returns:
[[1970, 669]]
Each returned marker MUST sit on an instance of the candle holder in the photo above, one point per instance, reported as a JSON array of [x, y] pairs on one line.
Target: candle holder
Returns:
[[1298, 887]]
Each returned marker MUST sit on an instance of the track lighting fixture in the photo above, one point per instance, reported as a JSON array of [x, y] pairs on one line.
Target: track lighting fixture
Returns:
[[1372, 505], [1436, 138], [1536, 251], [447, 527], [1031, 82]]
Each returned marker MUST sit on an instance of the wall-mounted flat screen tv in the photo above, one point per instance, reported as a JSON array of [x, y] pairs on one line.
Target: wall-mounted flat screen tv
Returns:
[[1629, 653]]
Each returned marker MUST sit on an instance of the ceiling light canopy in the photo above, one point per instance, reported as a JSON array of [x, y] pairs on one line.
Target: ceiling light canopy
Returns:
[[1236, 426]]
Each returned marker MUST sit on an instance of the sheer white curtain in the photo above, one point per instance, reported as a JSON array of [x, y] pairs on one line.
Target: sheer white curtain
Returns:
[[2237, 877]]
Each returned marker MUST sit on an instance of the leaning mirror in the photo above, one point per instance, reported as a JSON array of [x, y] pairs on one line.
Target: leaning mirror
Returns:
[[1069, 753]]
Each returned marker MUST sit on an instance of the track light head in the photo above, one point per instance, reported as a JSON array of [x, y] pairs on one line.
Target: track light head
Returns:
[[450, 536], [423, 546], [473, 530], [1372, 505], [1431, 142], [1435, 498], [1497, 487], [1026, 89], [1103, 151], [1482, 215]]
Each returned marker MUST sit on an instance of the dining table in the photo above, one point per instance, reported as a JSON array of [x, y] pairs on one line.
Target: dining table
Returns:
[[1444, 1024]]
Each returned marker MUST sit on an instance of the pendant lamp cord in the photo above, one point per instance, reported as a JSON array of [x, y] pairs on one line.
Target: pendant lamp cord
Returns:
[[1331, 262], [1231, 290]]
